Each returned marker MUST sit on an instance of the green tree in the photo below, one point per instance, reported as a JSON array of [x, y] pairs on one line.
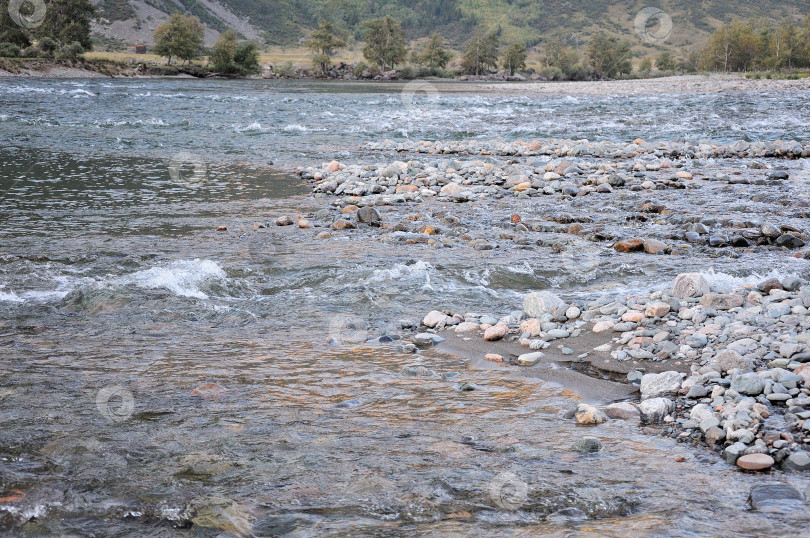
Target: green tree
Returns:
[[559, 55], [9, 31], [224, 50], [514, 58], [481, 52], [385, 42], [67, 21], [434, 55], [246, 57], [609, 56], [231, 57], [665, 62], [646, 65], [180, 36], [323, 44], [786, 45], [733, 47]]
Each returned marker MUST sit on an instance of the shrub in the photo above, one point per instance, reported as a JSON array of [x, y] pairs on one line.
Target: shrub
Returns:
[[9, 50], [407, 73], [48, 47], [30, 52], [285, 70], [359, 69], [72, 51], [580, 72], [551, 73]]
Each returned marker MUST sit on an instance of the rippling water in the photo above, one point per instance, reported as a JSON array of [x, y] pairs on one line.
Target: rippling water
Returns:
[[154, 369]]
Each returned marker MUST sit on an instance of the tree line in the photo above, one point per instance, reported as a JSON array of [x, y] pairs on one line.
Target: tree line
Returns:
[[755, 45]]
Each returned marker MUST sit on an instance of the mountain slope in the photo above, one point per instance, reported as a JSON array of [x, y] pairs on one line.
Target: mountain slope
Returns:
[[286, 22]]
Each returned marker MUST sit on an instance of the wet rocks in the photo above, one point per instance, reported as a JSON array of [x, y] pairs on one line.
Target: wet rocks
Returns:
[[655, 410], [342, 224], [368, 215], [622, 411], [539, 303], [663, 384], [496, 332], [588, 414], [629, 245], [775, 497], [435, 319], [755, 462], [530, 359], [690, 285], [587, 445], [798, 461]]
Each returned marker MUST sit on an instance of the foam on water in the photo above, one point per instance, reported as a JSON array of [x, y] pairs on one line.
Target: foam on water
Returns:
[[184, 278], [720, 282], [9, 296]]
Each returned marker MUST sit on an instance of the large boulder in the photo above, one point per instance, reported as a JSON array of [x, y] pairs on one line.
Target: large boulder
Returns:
[[690, 285], [539, 303], [663, 384], [655, 409]]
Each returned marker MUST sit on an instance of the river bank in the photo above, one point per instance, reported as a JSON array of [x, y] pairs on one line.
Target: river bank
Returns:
[[681, 84]]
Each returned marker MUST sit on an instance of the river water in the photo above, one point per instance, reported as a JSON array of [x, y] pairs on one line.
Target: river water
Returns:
[[160, 377]]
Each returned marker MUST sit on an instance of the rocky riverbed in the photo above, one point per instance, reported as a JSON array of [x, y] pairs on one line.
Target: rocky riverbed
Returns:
[[720, 365], [741, 386]]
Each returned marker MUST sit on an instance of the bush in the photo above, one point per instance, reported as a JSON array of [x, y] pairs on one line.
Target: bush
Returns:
[[47, 47], [551, 73], [407, 73], [580, 72], [359, 69], [285, 70], [72, 51], [30, 52], [9, 50], [246, 58], [15, 36]]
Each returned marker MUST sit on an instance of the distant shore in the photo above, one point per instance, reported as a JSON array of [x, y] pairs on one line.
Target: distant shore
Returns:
[[681, 84]]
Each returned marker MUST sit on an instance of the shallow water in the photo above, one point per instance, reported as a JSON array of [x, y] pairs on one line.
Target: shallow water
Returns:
[[118, 298]]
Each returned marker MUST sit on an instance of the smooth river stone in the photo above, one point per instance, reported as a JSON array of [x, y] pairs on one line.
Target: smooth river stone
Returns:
[[755, 462]]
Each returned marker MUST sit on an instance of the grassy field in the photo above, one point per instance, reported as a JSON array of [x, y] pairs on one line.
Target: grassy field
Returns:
[[299, 56]]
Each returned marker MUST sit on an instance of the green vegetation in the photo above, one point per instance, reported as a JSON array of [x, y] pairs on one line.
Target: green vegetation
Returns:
[[180, 36], [434, 55], [515, 58], [385, 42], [65, 22], [664, 62], [754, 45], [481, 52], [323, 45], [116, 10], [609, 56], [233, 58], [646, 65]]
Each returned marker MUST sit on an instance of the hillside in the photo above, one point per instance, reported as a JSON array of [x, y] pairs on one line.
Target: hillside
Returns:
[[286, 22]]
